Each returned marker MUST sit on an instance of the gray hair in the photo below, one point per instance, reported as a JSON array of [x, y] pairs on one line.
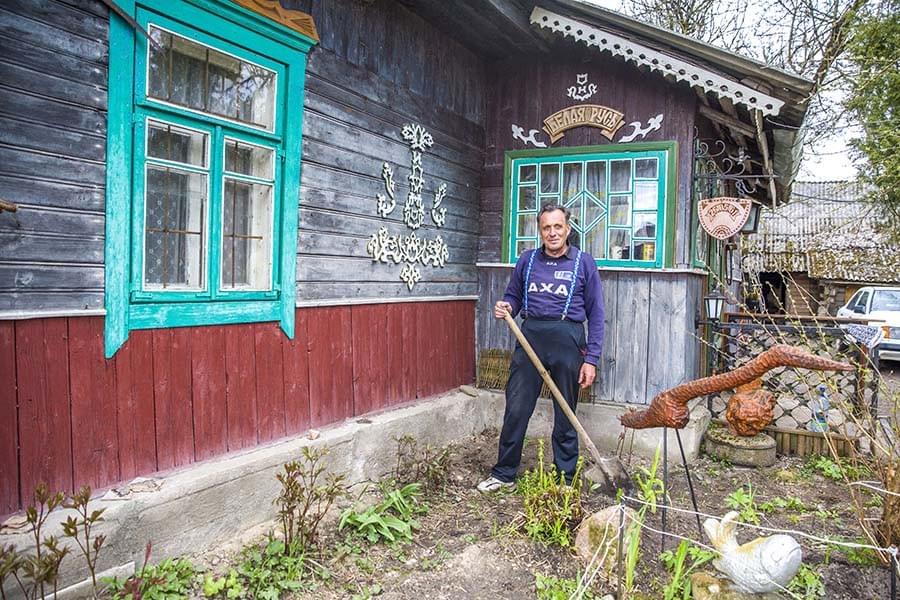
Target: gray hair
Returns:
[[550, 207]]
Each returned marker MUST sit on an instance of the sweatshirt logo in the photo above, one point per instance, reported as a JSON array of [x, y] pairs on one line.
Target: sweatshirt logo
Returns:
[[560, 290], [566, 275]]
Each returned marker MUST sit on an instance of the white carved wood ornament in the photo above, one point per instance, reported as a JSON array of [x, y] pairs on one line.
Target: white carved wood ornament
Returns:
[[655, 60], [638, 131], [411, 249], [518, 133], [582, 90]]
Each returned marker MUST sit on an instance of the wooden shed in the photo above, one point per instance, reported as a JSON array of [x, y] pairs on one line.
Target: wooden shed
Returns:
[[236, 220]]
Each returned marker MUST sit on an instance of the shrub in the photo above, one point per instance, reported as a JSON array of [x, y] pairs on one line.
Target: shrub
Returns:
[[552, 508]]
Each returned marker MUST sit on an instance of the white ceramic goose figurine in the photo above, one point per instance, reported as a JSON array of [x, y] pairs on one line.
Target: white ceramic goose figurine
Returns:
[[766, 564]]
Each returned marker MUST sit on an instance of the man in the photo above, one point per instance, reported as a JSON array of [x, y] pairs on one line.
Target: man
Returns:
[[557, 288]]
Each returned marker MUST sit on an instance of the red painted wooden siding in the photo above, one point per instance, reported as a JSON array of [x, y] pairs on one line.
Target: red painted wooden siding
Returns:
[[170, 397]]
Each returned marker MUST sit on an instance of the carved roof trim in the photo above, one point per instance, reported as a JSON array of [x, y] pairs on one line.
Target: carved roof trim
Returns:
[[658, 61], [293, 19]]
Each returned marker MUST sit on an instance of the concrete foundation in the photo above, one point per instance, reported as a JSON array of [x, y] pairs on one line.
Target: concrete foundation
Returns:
[[207, 504]]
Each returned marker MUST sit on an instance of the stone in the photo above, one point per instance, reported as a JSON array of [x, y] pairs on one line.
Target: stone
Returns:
[[313, 434], [756, 451], [835, 417], [469, 390], [777, 411], [598, 535], [850, 429], [786, 422], [801, 389], [718, 405], [802, 415], [788, 402], [706, 586]]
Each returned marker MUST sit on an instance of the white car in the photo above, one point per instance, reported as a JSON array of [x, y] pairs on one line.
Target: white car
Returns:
[[880, 305]]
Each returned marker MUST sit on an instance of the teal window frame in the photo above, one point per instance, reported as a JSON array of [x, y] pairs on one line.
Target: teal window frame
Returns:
[[234, 30], [664, 152]]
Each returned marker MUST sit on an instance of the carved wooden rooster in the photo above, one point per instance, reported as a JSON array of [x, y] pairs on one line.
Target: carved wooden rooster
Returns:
[[669, 408]]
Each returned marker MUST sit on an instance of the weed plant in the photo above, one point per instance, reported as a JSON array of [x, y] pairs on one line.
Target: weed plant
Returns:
[[807, 584], [681, 562], [391, 520], [552, 508], [427, 466], [80, 529], [307, 493], [742, 500], [650, 490], [170, 579], [548, 587]]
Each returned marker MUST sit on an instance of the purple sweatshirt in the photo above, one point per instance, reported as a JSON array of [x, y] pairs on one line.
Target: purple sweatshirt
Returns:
[[548, 290]]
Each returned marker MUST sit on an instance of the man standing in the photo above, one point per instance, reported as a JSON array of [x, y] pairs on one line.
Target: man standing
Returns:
[[557, 288]]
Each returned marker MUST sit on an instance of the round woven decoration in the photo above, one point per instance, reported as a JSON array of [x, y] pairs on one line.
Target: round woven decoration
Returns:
[[723, 217]]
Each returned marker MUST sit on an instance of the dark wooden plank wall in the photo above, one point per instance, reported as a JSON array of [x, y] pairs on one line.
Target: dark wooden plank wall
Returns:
[[170, 397], [377, 68], [524, 92], [53, 78], [649, 343]]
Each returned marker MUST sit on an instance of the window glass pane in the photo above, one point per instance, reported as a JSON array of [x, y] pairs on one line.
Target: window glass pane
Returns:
[[247, 235], [174, 228], [545, 200], [645, 250], [645, 225], [596, 179], [527, 197], [619, 244], [645, 195], [571, 180], [574, 207], [187, 73], [527, 226], [620, 176], [523, 245], [619, 210], [645, 168], [595, 241], [177, 144], [592, 211], [550, 179], [527, 173], [248, 159]]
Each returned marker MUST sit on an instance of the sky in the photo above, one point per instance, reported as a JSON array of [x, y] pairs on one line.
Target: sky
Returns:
[[831, 160]]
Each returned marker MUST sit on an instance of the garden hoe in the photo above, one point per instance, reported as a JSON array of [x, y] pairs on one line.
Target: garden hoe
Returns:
[[608, 473]]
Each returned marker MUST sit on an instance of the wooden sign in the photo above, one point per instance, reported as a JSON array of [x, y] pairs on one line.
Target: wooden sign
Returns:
[[723, 217], [606, 119]]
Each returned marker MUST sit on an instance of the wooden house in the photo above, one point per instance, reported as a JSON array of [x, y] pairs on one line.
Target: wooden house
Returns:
[[236, 220], [811, 255]]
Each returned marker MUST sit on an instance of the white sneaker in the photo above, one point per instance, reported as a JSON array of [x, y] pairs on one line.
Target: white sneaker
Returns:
[[492, 484]]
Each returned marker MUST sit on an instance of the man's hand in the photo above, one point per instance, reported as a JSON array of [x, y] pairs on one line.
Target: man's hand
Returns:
[[502, 308], [587, 375]]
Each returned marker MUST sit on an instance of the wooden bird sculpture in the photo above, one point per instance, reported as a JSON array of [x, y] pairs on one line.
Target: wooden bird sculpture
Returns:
[[669, 408]]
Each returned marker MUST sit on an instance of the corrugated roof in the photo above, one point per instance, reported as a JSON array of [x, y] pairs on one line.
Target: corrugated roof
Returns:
[[829, 231]]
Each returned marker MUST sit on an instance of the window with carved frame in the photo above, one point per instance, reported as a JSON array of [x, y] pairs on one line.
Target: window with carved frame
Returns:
[[204, 147], [621, 198]]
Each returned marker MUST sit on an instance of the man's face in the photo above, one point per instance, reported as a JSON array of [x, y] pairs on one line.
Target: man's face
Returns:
[[554, 230]]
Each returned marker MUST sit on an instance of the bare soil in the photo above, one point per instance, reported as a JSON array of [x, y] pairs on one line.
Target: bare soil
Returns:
[[466, 546]]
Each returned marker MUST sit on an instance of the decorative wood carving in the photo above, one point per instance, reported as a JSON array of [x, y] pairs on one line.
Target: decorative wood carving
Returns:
[[607, 120], [657, 61], [669, 408], [641, 132], [410, 249], [518, 133], [723, 217], [582, 90], [294, 19]]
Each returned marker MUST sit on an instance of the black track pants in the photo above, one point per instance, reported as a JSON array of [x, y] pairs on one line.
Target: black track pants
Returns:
[[559, 345]]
